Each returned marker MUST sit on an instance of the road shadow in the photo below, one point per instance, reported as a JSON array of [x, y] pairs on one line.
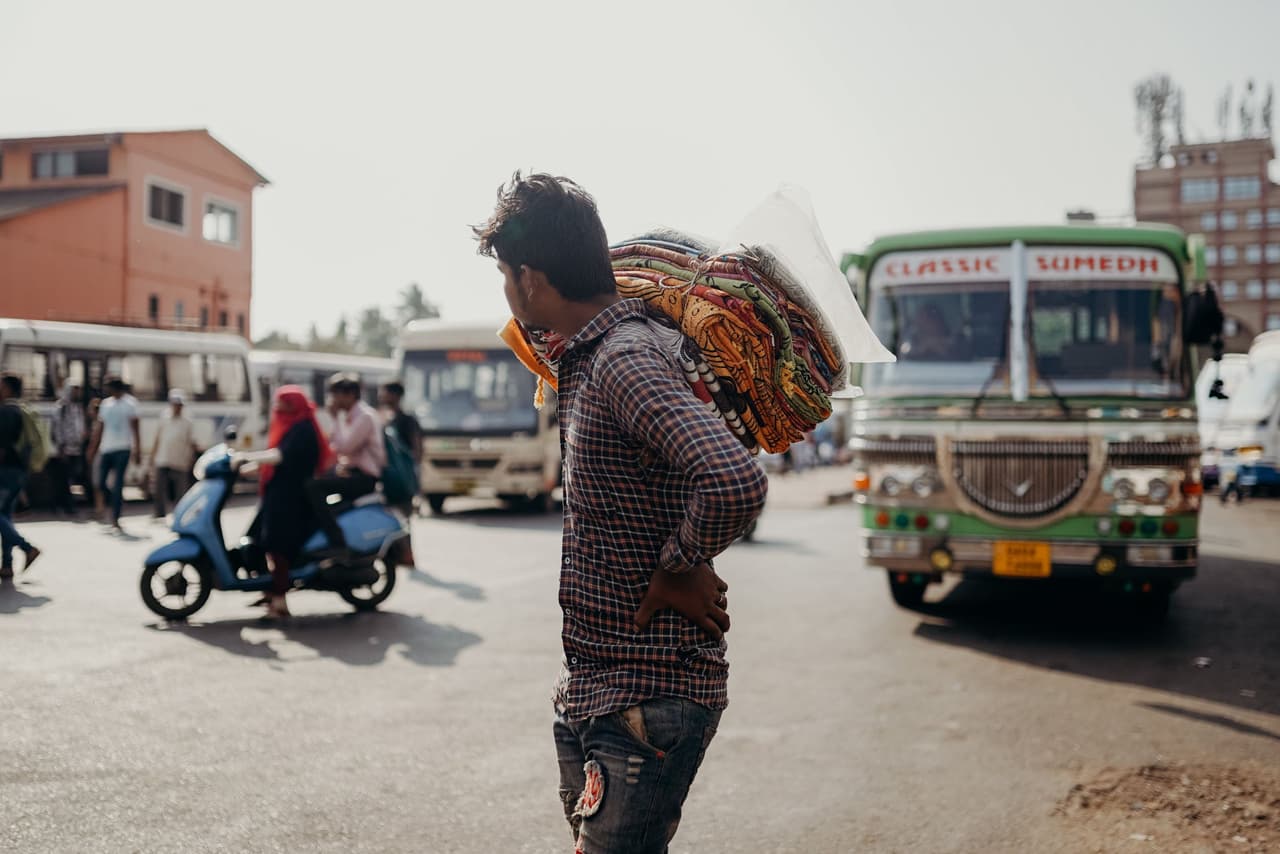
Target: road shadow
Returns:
[[359, 640], [500, 517], [1220, 642], [13, 599], [461, 589]]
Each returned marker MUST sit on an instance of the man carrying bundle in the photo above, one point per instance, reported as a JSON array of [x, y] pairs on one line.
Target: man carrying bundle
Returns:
[[655, 486]]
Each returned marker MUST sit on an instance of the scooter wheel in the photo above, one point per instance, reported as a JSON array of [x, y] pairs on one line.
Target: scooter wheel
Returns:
[[370, 596], [175, 590]]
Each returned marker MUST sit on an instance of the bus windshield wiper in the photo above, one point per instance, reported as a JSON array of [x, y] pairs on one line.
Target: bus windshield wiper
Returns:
[[995, 372]]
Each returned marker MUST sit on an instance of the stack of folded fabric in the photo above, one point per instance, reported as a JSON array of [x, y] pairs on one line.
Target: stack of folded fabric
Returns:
[[753, 343]]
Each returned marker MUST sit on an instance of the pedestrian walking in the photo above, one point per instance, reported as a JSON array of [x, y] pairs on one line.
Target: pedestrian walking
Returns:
[[17, 447], [68, 433], [89, 467], [116, 440], [655, 486], [172, 453]]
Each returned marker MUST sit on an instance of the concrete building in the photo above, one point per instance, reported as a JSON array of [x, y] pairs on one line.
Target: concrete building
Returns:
[[1223, 190], [143, 229]]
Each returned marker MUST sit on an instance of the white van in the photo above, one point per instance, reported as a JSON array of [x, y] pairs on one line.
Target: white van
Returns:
[[274, 368], [474, 400], [212, 369], [1211, 410], [1247, 436]]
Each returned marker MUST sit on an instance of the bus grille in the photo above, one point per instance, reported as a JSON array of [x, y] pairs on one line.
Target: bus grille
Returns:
[[1021, 479]]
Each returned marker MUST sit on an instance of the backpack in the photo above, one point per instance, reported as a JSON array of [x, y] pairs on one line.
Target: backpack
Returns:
[[400, 477], [33, 444]]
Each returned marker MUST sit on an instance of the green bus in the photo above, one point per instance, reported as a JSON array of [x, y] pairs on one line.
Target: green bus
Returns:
[[1040, 421]]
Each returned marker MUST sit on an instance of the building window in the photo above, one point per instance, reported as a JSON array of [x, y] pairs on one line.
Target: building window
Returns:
[[1253, 290], [1199, 189], [1210, 156], [1253, 219], [1229, 220], [1273, 216], [222, 320], [240, 323], [1230, 327], [153, 308], [1273, 253], [70, 163], [166, 206], [1253, 254], [1211, 255], [1184, 159], [1273, 322], [1241, 187], [1230, 290], [1273, 288], [1209, 221], [221, 223], [179, 311], [204, 317], [1229, 255]]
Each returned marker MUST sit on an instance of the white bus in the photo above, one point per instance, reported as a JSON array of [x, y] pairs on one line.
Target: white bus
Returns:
[[474, 401], [211, 368], [1211, 410], [273, 368]]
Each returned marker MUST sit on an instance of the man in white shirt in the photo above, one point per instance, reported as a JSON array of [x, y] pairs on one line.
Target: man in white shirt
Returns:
[[116, 438], [357, 443], [172, 453]]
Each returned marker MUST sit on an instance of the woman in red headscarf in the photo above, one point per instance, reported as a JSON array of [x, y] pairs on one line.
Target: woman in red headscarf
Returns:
[[286, 518]]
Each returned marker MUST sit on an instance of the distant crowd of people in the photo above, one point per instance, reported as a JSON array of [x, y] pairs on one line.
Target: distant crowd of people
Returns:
[[92, 444]]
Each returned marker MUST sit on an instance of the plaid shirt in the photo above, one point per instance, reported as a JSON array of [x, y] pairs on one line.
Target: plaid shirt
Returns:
[[653, 479]]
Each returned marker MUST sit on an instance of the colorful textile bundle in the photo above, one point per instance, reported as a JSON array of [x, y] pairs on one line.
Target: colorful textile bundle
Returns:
[[751, 341]]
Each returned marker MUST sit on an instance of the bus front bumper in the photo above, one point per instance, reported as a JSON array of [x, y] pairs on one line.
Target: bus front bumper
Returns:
[[934, 555]]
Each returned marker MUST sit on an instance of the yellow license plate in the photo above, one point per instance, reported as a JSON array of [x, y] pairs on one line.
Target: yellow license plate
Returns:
[[462, 487], [1022, 560]]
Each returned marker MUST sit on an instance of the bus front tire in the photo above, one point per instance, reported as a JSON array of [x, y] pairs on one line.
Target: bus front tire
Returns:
[[435, 500]]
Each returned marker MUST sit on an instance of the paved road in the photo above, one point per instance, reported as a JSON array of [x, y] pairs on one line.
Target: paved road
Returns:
[[426, 728]]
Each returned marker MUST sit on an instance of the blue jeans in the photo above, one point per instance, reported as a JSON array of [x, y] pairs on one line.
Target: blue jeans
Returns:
[[624, 776], [11, 482], [116, 462]]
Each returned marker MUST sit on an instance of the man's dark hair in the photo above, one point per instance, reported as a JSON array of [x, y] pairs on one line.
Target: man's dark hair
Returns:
[[114, 384], [550, 224], [12, 383], [394, 387], [345, 383]]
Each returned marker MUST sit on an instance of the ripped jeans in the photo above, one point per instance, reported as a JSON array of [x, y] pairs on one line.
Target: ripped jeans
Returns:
[[624, 776]]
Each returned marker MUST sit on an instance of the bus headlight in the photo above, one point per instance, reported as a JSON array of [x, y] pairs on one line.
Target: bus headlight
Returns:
[[1123, 489], [924, 486], [1158, 490], [891, 486]]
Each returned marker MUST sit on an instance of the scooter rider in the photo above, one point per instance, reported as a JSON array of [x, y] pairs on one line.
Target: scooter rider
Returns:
[[361, 455]]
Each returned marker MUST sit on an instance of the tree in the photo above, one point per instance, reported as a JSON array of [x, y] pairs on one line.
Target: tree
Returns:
[[1267, 104], [376, 335], [1246, 111], [414, 305], [1224, 112], [340, 342], [277, 340], [1153, 97]]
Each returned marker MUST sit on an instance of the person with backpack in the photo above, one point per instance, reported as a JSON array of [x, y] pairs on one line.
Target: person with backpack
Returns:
[[404, 449], [21, 447]]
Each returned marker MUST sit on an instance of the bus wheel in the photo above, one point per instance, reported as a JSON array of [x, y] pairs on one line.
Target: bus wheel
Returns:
[[907, 592], [435, 501]]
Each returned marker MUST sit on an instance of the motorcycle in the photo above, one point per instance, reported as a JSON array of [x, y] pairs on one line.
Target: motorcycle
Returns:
[[178, 578]]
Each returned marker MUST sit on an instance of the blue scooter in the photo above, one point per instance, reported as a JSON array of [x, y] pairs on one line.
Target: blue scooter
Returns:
[[178, 577]]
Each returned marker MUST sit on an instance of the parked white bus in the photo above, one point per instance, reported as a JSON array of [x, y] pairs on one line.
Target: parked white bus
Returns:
[[1211, 410], [211, 368], [474, 401], [273, 368]]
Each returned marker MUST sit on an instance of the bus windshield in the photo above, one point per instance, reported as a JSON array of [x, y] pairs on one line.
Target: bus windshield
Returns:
[[473, 392], [949, 338], [1107, 339]]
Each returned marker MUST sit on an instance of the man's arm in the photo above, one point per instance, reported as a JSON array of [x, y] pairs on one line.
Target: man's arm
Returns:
[[95, 441], [652, 400], [137, 437]]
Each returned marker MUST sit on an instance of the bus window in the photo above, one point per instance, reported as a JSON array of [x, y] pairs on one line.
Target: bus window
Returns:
[[226, 379], [33, 368], [142, 373], [187, 373]]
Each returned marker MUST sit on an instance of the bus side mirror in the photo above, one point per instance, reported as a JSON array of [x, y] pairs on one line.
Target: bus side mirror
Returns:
[[1204, 318]]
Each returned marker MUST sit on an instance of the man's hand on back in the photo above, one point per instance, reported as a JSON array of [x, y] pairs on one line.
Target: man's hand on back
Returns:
[[698, 595]]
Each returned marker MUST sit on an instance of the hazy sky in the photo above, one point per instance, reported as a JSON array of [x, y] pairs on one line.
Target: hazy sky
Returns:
[[386, 127]]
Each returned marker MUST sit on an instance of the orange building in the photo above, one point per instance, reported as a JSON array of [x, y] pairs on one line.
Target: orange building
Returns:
[[143, 229]]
